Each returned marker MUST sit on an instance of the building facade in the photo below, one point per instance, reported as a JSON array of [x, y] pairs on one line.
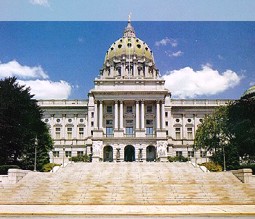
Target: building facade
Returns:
[[129, 114]]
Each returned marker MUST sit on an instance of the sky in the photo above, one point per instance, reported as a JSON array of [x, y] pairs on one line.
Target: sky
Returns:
[[206, 52]]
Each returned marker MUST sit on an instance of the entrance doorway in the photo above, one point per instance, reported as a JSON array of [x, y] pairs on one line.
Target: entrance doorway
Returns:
[[150, 153], [108, 154], [129, 153]]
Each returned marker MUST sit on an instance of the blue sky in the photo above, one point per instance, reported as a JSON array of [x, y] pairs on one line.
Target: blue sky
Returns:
[[198, 59]]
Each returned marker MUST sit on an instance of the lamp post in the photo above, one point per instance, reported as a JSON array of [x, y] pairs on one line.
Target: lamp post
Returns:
[[188, 151], [71, 153], [36, 143], [64, 156], [224, 158]]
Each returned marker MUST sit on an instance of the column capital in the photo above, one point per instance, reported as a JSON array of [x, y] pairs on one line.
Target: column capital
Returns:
[[116, 101]]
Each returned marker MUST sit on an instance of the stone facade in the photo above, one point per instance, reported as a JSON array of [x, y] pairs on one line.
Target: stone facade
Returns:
[[129, 114]]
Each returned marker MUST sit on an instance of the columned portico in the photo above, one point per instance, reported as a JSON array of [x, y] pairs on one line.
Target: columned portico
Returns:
[[137, 116], [121, 115], [116, 116], [142, 114], [158, 115], [163, 123], [95, 116]]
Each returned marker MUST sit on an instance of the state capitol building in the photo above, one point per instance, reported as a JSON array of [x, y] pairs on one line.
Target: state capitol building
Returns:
[[129, 114]]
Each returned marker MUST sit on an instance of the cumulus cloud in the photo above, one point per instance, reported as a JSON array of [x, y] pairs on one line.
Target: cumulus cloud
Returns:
[[252, 83], [166, 41], [35, 78], [188, 83], [40, 2], [13, 68], [174, 54], [46, 89]]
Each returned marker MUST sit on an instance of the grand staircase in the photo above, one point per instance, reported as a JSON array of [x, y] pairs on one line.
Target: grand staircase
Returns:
[[128, 184]]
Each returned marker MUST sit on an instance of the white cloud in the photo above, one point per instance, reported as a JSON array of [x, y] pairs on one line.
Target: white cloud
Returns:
[[174, 54], [35, 78], [167, 41], [13, 68], [40, 2], [252, 83], [46, 89], [188, 83]]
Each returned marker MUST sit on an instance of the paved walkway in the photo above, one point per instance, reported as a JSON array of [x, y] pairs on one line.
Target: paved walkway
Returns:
[[144, 210]]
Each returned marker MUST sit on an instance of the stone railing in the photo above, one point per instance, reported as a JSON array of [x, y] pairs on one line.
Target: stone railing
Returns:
[[244, 175], [14, 175]]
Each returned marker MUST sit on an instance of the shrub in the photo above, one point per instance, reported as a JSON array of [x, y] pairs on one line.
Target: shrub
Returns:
[[83, 158], [4, 168], [177, 158], [211, 166], [49, 166]]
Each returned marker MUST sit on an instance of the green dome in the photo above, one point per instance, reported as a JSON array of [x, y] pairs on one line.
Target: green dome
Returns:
[[250, 93], [129, 46]]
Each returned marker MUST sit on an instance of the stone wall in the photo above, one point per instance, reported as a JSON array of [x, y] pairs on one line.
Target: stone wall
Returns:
[[14, 175], [244, 175]]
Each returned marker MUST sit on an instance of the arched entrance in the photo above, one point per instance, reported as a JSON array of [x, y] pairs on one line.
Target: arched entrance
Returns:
[[150, 153], [108, 153], [129, 153]]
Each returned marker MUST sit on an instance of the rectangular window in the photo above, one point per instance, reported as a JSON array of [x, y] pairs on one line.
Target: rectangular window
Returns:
[[166, 114], [81, 132], [149, 130], [92, 114], [57, 132], [167, 133], [69, 133], [166, 123], [109, 109], [56, 153], [109, 131], [129, 122], [203, 154], [129, 131], [178, 153], [129, 109], [149, 109], [68, 153], [149, 122], [178, 133], [79, 153], [189, 133], [109, 122], [92, 124], [190, 153]]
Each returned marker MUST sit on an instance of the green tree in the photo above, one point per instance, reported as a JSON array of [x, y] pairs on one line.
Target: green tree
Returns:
[[242, 125], [214, 135], [20, 125]]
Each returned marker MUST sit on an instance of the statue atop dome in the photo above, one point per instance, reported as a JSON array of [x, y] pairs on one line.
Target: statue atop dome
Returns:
[[129, 31]]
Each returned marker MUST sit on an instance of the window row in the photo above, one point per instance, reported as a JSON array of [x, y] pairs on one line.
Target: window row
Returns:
[[189, 132], [69, 131], [203, 154], [69, 153]]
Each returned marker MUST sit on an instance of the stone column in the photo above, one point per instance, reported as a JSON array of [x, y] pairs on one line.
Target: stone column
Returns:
[[116, 115], [137, 116], [121, 115], [142, 114], [163, 124], [101, 114], [95, 115], [158, 115]]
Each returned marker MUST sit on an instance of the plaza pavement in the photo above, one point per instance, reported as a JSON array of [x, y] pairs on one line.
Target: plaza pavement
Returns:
[[129, 210]]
